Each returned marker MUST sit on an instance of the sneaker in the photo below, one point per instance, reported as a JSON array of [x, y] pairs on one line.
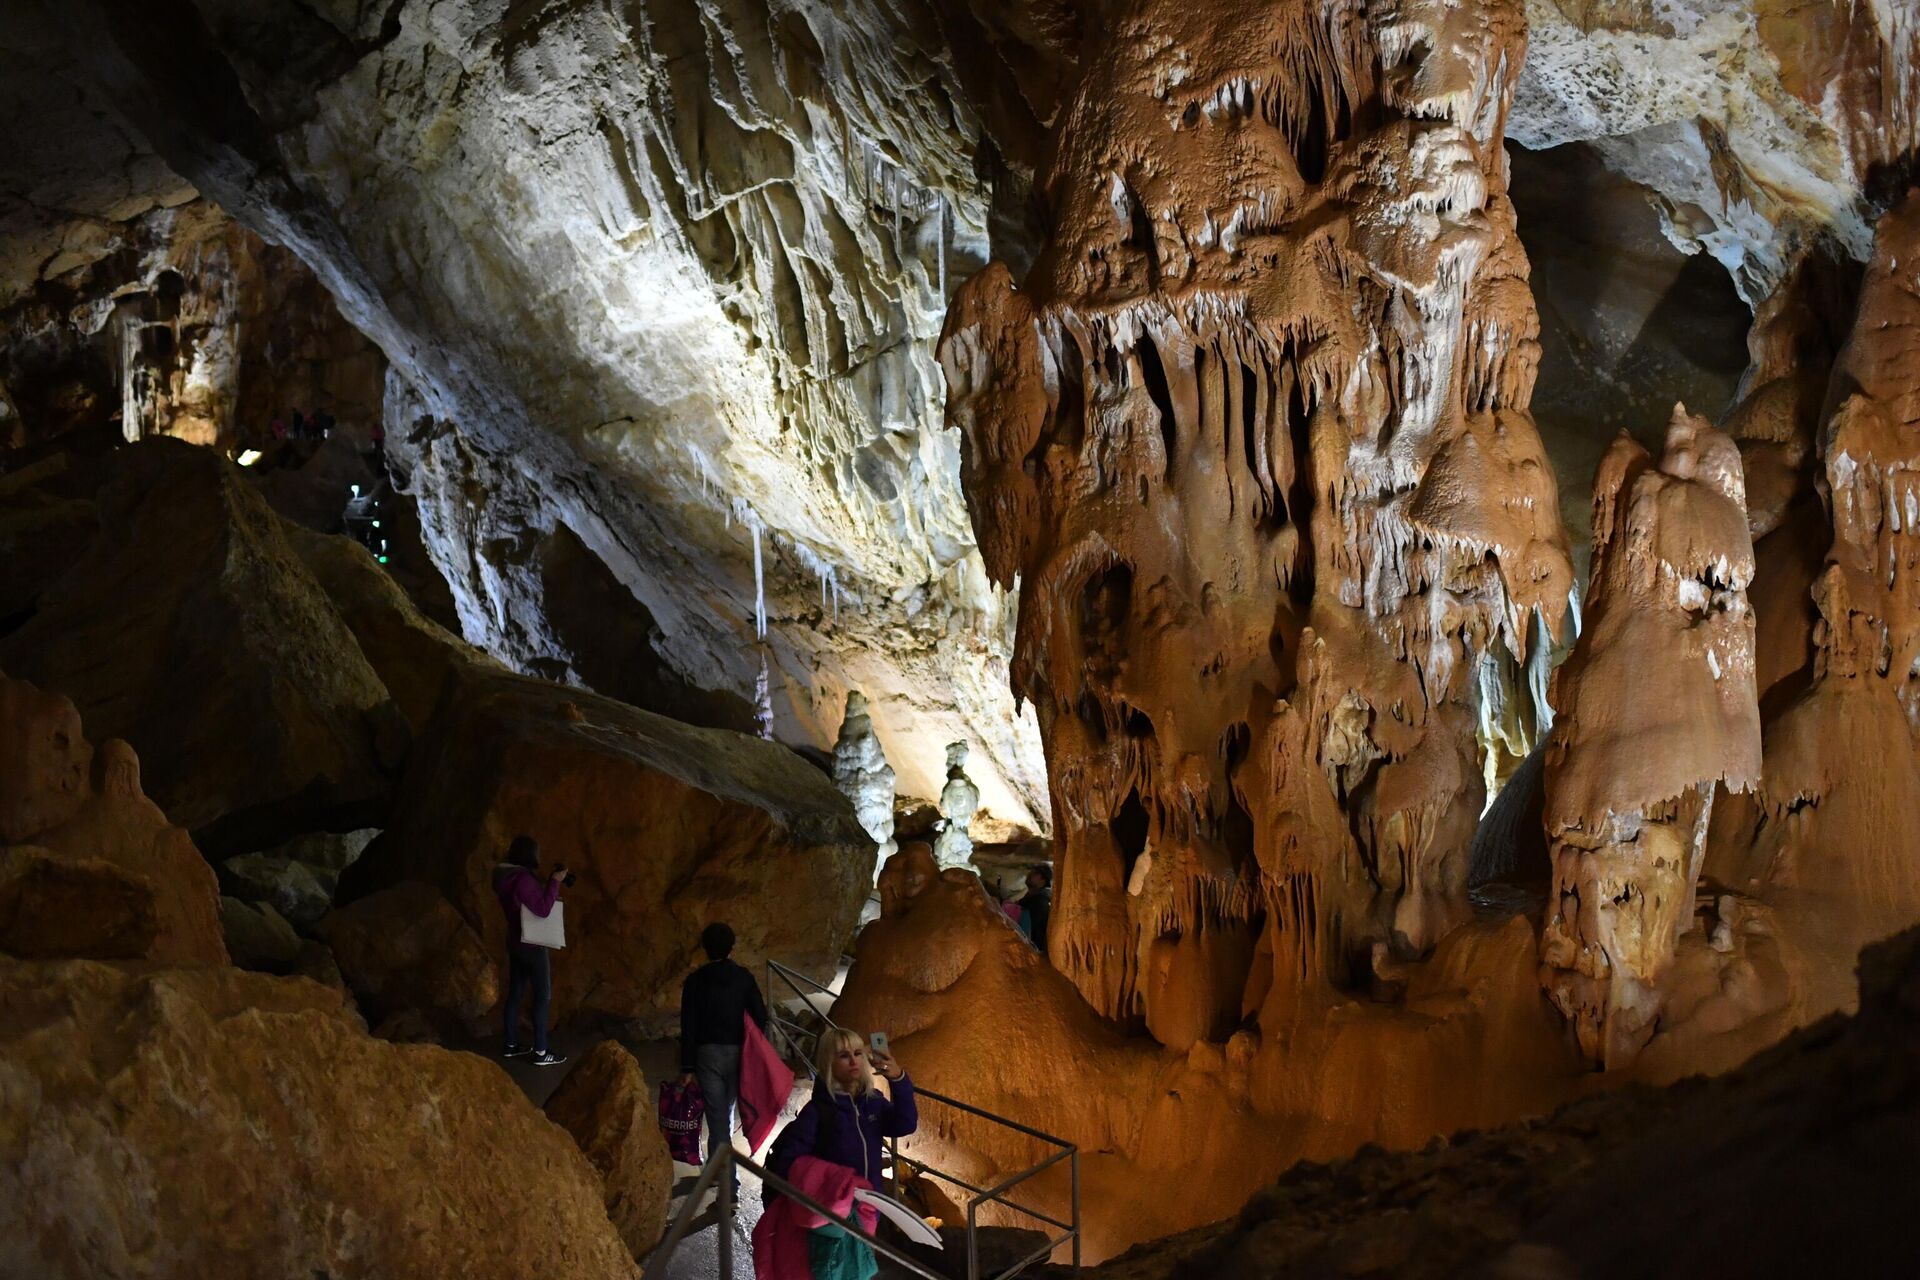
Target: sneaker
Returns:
[[516, 1051], [547, 1059]]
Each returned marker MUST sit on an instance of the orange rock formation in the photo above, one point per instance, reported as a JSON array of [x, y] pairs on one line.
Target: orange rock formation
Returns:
[[1253, 439]]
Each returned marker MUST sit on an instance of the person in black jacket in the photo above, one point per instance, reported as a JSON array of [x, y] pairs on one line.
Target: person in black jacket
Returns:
[[1036, 909], [714, 1003]]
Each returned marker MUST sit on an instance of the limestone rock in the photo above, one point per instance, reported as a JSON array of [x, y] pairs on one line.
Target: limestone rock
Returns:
[[231, 672], [959, 801], [1759, 126], [299, 877], [604, 1103], [1168, 1136], [410, 653], [92, 824], [668, 827], [1265, 541], [1656, 707], [258, 937], [52, 906], [407, 948], [295, 891], [213, 1123], [1520, 1200], [861, 772]]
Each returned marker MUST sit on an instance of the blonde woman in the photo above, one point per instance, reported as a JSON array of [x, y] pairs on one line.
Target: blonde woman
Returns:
[[844, 1123]]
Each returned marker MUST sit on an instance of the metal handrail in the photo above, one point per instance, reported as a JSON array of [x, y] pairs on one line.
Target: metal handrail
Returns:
[[722, 1160], [979, 1196]]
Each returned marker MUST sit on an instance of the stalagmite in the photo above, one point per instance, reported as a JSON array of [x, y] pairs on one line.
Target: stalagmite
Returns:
[[1252, 439], [861, 772], [959, 800], [1655, 707]]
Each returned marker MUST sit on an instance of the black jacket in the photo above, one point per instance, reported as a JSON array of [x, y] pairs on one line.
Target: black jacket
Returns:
[[713, 1002]]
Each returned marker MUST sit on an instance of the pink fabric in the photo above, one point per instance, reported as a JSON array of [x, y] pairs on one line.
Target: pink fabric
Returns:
[[1011, 910], [765, 1083], [780, 1237]]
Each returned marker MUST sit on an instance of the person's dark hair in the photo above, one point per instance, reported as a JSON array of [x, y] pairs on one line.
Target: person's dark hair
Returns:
[[524, 852], [1045, 872], [716, 940]]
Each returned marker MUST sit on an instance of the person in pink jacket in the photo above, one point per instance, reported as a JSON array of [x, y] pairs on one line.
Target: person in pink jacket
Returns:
[[516, 882]]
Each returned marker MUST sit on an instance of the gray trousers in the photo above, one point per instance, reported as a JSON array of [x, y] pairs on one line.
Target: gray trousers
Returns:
[[717, 1068]]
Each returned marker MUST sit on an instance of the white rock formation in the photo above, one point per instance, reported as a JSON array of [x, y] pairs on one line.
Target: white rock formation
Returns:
[[959, 801], [861, 771], [1757, 122]]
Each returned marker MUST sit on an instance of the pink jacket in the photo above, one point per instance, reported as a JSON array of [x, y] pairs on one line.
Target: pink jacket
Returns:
[[780, 1237]]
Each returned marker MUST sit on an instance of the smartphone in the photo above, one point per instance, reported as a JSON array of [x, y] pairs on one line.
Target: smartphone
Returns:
[[877, 1045]]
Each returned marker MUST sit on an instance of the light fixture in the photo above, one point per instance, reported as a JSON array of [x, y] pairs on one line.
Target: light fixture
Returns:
[[248, 457], [356, 490]]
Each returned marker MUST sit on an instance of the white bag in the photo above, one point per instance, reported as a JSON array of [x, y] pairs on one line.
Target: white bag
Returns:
[[548, 931]]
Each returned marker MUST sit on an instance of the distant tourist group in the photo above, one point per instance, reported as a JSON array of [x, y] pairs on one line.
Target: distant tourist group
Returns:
[[298, 426]]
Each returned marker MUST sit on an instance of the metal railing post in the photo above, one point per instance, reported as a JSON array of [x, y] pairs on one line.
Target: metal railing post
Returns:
[[1074, 1163], [973, 1240]]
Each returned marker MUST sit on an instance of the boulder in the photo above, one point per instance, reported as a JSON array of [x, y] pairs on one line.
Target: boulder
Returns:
[[604, 1103], [411, 653], [294, 890], [299, 877], [192, 629], [406, 948], [258, 937], [108, 875], [213, 1124], [669, 827]]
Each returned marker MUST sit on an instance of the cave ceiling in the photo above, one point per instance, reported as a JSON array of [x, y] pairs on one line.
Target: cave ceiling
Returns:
[[664, 279]]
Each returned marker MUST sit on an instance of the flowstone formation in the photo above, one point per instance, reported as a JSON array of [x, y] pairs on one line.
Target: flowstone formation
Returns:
[[1253, 439], [1656, 706], [861, 771], [959, 801]]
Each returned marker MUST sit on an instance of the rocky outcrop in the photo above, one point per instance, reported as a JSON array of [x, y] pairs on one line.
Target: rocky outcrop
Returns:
[[1656, 707], [668, 827], [95, 869], [407, 949], [191, 629], [1795, 1165], [212, 1123], [605, 1105]]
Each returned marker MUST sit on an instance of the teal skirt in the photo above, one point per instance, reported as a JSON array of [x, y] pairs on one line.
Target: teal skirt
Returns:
[[833, 1254]]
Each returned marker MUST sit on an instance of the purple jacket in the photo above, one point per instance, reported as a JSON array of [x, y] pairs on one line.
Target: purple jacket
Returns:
[[845, 1129], [517, 887]]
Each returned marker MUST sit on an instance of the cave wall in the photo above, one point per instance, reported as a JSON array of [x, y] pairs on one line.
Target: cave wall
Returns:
[[668, 279]]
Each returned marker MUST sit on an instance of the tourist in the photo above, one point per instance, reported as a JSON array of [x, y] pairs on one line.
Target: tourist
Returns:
[[279, 429], [1036, 908], [715, 1001], [379, 444], [516, 882], [843, 1124]]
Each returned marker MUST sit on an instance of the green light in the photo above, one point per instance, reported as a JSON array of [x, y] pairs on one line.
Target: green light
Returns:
[[383, 559]]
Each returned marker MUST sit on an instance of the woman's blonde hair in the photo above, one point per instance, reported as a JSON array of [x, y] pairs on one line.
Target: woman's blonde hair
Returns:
[[832, 1041]]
